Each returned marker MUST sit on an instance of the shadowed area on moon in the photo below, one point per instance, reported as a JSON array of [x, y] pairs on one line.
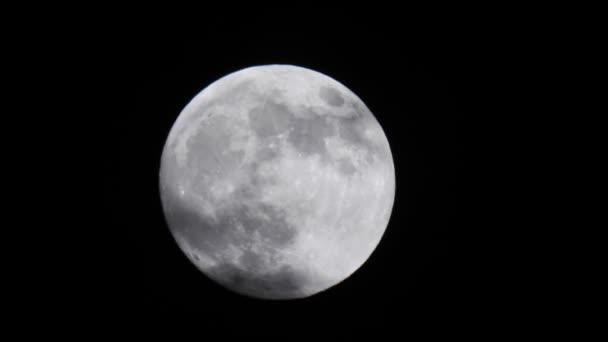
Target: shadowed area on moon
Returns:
[[211, 233], [226, 152], [212, 237], [284, 283]]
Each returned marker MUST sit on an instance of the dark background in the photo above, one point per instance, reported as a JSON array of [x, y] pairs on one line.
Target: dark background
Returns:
[[422, 77]]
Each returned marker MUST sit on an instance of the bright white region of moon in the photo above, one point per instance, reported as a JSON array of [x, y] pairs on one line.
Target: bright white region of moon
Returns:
[[277, 182]]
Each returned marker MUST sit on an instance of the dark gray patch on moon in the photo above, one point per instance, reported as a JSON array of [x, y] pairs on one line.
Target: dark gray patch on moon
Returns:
[[353, 132], [270, 222], [284, 283], [215, 234], [331, 96], [251, 261], [346, 166], [308, 135], [270, 119], [171, 171], [305, 112], [349, 131], [185, 220], [202, 155], [267, 150]]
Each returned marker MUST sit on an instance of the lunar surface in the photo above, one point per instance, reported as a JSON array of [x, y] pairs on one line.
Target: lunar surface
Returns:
[[277, 182]]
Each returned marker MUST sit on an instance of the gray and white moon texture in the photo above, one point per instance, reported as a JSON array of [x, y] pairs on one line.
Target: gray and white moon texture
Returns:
[[277, 182]]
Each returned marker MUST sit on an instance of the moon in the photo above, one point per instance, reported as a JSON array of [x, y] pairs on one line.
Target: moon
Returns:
[[277, 182]]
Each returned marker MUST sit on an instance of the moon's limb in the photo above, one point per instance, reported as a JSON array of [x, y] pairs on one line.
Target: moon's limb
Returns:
[[277, 182]]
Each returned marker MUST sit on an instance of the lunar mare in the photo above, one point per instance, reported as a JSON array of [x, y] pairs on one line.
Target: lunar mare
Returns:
[[277, 182]]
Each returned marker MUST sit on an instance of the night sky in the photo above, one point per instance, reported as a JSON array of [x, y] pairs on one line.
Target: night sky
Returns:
[[419, 76]]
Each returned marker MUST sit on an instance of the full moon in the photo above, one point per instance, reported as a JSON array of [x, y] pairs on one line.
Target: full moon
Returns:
[[277, 182]]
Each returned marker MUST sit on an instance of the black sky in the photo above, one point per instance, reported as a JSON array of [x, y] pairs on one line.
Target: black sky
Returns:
[[421, 79]]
